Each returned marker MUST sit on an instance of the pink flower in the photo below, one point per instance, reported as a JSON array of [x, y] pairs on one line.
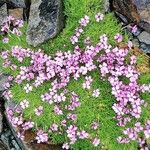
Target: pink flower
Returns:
[[72, 116], [5, 28], [134, 29], [74, 39], [28, 88], [84, 21], [130, 44], [5, 40], [72, 133], [41, 137], [39, 110], [54, 127], [20, 135], [28, 125], [118, 37], [133, 60], [9, 19], [65, 146], [87, 83], [94, 125], [17, 32], [99, 17], [18, 23], [57, 110], [96, 142], [138, 127], [83, 134], [24, 104], [16, 121], [7, 94], [83, 70], [96, 93], [63, 123]]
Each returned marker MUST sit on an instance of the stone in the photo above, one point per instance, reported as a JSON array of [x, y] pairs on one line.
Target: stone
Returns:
[[135, 42], [136, 11], [45, 22], [145, 48], [3, 80], [2, 146], [3, 13], [15, 4], [144, 37], [2, 2], [106, 5], [16, 13], [1, 122], [5, 140], [26, 10], [122, 17]]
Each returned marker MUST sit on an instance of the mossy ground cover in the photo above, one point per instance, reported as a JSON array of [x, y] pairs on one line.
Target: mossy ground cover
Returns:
[[91, 108]]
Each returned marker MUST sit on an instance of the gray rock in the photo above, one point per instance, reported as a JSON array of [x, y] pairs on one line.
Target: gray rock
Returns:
[[3, 80], [122, 17], [145, 48], [16, 4], [3, 13], [26, 10], [16, 13], [1, 122], [135, 42], [10, 104], [144, 37], [2, 2], [106, 5], [2, 146], [5, 140], [45, 22], [137, 11]]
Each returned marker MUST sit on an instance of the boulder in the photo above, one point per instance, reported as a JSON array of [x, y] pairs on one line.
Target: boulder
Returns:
[[145, 48], [16, 13], [16, 4], [3, 80], [26, 10], [136, 11], [2, 2], [45, 22], [2, 146], [3, 13], [106, 5], [144, 37], [1, 122]]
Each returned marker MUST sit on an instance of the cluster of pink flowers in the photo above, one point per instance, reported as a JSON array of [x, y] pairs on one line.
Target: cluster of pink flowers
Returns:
[[11, 25], [83, 23], [41, 136], [28, 125], [112, 65], [137, 133], [60, 68]]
